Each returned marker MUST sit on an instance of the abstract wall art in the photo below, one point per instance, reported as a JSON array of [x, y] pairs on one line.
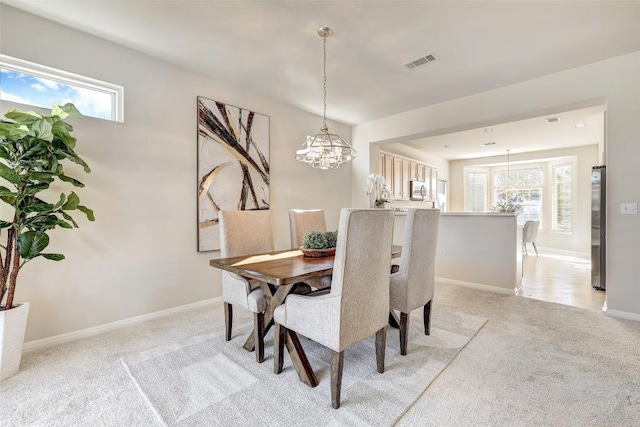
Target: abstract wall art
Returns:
[[233, 165]]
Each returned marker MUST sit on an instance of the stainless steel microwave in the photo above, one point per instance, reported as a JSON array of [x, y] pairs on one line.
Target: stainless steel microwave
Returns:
[[418, 190]]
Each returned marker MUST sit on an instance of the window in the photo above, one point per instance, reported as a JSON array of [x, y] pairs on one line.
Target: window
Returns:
[[39, 86], [477, 192], [562, 198], [524, 186]]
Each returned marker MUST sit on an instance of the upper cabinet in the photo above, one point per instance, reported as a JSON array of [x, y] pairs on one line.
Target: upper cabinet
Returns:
[[398, 171]]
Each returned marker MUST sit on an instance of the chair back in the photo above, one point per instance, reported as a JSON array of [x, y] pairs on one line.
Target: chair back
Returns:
[[245, 232], [361, 272], [303, 221], [419, 255], [530, 231]]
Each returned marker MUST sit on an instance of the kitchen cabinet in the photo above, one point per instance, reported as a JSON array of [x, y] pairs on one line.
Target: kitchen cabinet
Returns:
[[399, 171]]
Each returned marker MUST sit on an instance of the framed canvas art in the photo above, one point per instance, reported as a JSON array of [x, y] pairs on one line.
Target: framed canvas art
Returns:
[[233, 165]]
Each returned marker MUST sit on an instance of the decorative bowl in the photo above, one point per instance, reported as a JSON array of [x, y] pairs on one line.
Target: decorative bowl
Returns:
[[317, 253]]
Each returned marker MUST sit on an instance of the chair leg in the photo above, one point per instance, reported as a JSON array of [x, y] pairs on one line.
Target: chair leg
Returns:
[[404, 327], [524, 248], [228, 320], [427, 318], [534, 247], [279, 338], [258, 327], [337, 359], [381, 343]]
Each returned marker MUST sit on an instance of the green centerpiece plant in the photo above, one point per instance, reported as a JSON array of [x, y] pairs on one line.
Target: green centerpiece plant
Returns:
[[320, 239], [319, 243]]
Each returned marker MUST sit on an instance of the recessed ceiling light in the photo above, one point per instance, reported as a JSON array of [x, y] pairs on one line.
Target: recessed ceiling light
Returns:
[[581, 125], [487, 143], [552, 119], [488, 130]]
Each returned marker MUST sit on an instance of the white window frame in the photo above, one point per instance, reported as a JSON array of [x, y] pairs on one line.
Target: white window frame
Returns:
[[467, 197], [115, 91], [522, 218], [554, 204]]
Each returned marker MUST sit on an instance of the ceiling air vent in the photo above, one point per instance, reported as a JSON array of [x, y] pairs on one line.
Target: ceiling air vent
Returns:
[[552, 120], [424, 60]]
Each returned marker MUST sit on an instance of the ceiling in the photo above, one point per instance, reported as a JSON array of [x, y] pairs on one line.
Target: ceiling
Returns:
[[272, 47], [573, 128]]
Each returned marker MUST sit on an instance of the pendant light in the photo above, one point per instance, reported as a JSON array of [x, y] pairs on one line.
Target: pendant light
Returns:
[[511, 194], [325, 150]]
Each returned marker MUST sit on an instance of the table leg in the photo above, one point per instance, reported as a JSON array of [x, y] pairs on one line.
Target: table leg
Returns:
[[273, 301]]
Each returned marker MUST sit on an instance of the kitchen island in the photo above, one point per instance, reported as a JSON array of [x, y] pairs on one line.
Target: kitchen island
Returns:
[[478, 250]]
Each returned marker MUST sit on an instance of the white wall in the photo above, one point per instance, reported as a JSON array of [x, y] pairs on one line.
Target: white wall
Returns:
[[140, 254], [583, 158], [614, 82]]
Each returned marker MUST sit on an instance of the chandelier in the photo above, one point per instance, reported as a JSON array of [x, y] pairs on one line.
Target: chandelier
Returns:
[[325, 150]]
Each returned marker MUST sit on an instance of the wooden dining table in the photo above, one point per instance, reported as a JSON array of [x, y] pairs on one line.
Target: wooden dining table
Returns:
[[277, 273]]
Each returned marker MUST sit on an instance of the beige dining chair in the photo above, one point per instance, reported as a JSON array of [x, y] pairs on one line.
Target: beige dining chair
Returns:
[[357, 306], [413, 285], [244, 233], [530, 234], [302, 221]]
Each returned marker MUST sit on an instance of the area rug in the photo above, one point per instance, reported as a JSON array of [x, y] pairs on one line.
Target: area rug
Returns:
[[203, 380]]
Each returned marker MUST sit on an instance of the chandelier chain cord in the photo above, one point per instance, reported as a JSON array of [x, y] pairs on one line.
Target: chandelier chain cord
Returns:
[[324, 71]]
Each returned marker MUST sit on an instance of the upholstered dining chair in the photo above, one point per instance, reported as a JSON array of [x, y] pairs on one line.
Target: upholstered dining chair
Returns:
[[357, 306], [412, 286], [302, 221], [530, 234], [244, 233]]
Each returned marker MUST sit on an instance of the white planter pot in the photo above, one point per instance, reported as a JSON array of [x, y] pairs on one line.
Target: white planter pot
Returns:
[[13, 324]]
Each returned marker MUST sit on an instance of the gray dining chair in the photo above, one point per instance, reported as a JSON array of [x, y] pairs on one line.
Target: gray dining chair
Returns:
[[357, 306], [412, 286], [302, 221], [530, 234], [244, 233]]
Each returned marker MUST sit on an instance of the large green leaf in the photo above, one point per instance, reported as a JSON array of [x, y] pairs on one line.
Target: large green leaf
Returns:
[[36, 150], [9, 174], [61, 130], [38, 206], [68, 179], [42, 130], [53, 257], [69, 218], [36, 188], [23, 117], [14, 131], [5, 224], [41, 222], [31, 243], [65, 111], [72, 202], [5, 192], [88, 212]]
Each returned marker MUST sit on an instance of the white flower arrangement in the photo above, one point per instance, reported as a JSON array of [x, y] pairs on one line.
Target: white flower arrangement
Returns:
[[377, 185]]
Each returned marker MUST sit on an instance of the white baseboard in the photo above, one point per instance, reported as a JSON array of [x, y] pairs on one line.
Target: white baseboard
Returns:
[[621, 314], [83, 333], [479, 286]]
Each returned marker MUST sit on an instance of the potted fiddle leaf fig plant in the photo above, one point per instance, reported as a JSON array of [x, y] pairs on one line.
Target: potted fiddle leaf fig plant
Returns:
[[32, 151]]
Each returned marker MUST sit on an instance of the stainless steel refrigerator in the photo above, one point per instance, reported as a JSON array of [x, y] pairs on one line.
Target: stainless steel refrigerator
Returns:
[[598, 227]]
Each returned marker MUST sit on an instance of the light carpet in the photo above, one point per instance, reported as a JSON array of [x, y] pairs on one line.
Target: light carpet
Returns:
[[203, 380]]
